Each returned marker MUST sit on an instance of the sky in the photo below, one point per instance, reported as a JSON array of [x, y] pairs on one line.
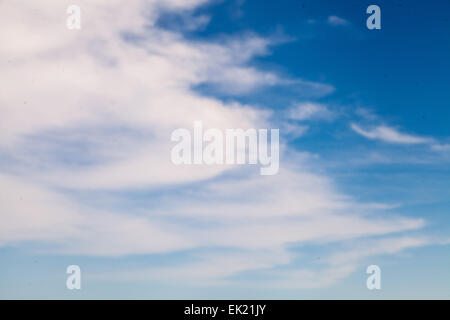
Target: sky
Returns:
[[85, 171]]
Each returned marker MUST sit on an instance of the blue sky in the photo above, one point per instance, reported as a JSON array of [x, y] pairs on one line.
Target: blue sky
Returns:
[[85, 143]]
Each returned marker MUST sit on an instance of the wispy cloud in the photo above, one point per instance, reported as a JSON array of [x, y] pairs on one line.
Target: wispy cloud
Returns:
[[441, 147], [310, 111], [336, 21], [389, 134]]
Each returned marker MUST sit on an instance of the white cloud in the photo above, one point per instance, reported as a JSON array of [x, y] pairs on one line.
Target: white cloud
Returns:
[[310, 111], [32, 213], [389, 134], [218, 269], [337, 21]]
